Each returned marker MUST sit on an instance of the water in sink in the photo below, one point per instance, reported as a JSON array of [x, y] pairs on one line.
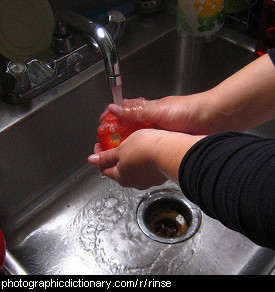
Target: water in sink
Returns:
[[103, 237], [109, 234]]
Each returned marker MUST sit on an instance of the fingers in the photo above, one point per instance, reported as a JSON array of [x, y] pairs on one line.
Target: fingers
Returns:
[[131, 110], [103, 159], [97, 148], [111, 172], [102, 116], [135, 101], [106, 160]]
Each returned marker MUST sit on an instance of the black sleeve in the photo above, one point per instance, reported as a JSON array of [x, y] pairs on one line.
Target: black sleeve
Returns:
[[271, 53], [230, 176]]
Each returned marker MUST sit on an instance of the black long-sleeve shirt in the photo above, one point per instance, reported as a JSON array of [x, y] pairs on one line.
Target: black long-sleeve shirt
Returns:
[[231, 177]]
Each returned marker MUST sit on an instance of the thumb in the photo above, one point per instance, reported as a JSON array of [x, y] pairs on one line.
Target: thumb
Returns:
[[104, 159], [134, 111]]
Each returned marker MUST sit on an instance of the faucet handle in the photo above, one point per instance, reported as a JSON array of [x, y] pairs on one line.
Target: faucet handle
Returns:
[[16, 77], [116, 24], [15, 81], [60, 29], [63, 38]]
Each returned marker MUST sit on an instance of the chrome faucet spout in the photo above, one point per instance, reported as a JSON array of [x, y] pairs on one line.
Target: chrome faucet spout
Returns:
[[97, 35]]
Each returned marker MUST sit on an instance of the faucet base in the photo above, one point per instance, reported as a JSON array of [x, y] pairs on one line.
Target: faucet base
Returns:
[[49, 69], [68, 55]]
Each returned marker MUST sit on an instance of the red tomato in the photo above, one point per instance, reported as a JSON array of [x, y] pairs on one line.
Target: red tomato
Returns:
[[112, 131], [2, 250]]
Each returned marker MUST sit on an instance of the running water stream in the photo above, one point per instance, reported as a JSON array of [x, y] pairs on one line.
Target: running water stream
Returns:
[[117, 94]]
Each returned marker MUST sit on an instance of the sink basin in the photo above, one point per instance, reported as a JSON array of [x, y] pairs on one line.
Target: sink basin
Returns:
[[61, 216]]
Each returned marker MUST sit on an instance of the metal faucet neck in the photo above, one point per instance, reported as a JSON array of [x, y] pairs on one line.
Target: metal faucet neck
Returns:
[[99, 35]]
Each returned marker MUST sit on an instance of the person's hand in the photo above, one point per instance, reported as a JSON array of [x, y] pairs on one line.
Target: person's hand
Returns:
[[186, 114], [244, 100], [130, 164], [146, 158]]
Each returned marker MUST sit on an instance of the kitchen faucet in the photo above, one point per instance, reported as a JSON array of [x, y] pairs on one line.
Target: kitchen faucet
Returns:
[[97, 36], [69, 54]]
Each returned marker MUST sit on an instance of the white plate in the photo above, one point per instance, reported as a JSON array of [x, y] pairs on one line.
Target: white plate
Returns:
[[26, 28]]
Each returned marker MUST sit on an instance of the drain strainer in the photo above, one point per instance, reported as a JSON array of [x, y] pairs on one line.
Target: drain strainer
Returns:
[[167, 216]]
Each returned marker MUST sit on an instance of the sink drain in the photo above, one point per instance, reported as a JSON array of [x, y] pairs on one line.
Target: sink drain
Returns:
[[168, 217]]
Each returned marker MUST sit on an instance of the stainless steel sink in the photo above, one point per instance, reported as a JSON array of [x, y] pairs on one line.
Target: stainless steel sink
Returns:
[[61, 216]]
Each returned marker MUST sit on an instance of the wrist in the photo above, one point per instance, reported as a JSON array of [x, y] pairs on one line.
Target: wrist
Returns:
[[169, 150], [205, 119]]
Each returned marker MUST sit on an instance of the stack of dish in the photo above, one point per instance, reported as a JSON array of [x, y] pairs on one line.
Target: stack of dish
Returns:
[[26, 28]]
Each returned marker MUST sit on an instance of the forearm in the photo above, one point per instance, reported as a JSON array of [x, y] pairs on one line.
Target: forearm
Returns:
[[244, 100], [230, 176], [168, 151]]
